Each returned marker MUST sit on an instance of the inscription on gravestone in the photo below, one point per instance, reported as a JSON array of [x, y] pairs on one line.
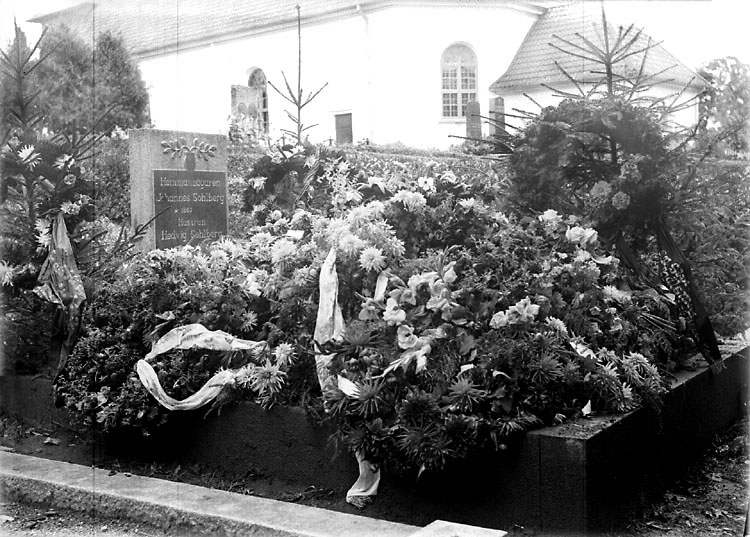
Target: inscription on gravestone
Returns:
[[195, 203], [178, 187]]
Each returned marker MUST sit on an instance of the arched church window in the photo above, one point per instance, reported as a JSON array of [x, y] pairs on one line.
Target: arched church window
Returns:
[[459, 79]]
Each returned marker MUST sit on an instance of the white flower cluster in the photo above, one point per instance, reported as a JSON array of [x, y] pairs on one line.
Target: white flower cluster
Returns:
[[412, 201], [523, 311]]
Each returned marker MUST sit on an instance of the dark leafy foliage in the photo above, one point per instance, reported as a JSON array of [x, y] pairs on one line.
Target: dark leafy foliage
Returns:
[[101, 88]]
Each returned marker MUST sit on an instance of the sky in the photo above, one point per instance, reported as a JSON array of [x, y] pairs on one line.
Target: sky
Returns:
[[695, 31]]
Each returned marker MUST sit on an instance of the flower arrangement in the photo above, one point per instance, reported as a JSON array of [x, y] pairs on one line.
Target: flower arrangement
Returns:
[[460, 349], [465, 324]]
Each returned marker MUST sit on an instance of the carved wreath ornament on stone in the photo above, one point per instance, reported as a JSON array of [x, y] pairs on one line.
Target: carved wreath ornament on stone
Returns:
[[179, 147]]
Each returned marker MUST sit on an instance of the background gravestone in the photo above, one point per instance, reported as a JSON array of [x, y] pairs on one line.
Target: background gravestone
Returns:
[[497, 114], [473, 121], [182, 178]]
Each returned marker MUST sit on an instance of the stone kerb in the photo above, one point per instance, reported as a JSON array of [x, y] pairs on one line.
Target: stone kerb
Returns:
[[181, 179], [578, 478]]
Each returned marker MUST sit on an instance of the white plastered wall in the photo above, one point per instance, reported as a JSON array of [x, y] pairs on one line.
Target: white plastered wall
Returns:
[[190, 90], [383, 67], [408, 44]]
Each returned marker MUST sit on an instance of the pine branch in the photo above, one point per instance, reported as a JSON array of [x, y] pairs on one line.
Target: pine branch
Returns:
[[563, 94], [638, 51], [313, 95], [629, 44], [570, 77], [532, 100], [575, 55], [574, 45]]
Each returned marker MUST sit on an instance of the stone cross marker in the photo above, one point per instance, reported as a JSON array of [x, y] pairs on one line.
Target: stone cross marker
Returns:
[[181, 178]]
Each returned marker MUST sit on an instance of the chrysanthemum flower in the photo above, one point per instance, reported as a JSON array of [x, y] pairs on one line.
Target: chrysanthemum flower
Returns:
[[336, 229], [249, 320], [227, 245], [301, 219], [267, 379], [376, 208], [359, 215], [261, 240], [372, 258], [282, 251], [284, 354], [68, 207], [218, 256], [613, 293], [464, 394], [557, 325], [29, 156], [6, 273], [350, 245], [43, 232]]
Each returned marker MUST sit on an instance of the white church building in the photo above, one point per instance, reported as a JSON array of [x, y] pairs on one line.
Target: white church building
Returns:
[[395, 71]]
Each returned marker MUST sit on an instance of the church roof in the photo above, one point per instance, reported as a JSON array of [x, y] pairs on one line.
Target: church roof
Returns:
[[535, 61], [153, 27]]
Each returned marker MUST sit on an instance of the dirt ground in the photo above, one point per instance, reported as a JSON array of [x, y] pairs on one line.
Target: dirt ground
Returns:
[[34, 521], [710, 499]]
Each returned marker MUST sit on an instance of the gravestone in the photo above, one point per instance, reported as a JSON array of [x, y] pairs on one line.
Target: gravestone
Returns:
[[497, 114], [178, 179], [247, 108], [473, 121]]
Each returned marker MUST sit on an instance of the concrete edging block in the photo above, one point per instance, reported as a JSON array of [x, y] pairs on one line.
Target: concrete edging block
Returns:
[[582, 476], [176, 506], [593, 471]]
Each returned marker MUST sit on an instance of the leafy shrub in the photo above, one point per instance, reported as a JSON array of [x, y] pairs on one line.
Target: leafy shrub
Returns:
[[84, 90], [112, 171]]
